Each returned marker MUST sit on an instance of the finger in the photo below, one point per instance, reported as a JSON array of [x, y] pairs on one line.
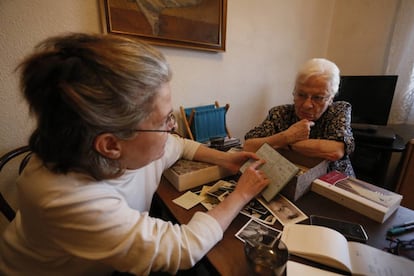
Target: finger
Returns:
[[257, 164], [252, 155]]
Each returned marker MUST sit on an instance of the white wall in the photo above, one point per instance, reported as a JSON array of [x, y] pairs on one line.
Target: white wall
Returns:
[[266, 42]]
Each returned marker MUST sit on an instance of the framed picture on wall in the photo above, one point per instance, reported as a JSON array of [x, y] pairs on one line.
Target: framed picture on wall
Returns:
[[194, 24]]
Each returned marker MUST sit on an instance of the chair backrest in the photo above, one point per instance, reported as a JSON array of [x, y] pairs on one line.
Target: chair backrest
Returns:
[[5, 207], [205, 122]]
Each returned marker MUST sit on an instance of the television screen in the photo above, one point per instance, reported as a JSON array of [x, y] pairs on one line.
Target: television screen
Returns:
[[370, 97]]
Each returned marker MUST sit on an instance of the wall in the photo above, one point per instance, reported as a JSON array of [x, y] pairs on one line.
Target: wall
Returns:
[[266, 42], [360, 35]]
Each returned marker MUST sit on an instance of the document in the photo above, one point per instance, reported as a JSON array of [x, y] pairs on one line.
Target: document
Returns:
[[279, 170]]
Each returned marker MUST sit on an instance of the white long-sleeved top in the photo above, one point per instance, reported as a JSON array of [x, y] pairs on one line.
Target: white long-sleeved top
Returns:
[[72, 225]]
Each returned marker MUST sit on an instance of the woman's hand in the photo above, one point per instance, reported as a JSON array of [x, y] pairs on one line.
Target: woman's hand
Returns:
[[252, 181], [298, 131], [234, 160], [250, 184]]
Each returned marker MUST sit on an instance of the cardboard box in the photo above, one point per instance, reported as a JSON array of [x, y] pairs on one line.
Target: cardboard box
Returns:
[[187, 174], [310, 169], [365, 198]]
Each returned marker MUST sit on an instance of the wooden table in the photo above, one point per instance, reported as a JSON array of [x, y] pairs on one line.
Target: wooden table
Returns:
[[227, 257]]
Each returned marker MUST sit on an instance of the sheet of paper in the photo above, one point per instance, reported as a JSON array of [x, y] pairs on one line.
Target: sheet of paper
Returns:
[[295, 268], [367, 260], [188, 200]]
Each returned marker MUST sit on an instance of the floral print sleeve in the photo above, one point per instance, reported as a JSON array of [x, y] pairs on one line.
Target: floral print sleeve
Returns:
[[335, 124], [278, 119]]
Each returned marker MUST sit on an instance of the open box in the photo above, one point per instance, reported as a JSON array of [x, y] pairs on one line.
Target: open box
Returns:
[[187, 174], [310, 169]]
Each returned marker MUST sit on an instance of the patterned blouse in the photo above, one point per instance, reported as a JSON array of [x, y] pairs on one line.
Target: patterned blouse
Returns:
[[334, 124]]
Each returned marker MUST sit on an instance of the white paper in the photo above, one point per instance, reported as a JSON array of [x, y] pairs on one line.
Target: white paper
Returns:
[[188, 200]]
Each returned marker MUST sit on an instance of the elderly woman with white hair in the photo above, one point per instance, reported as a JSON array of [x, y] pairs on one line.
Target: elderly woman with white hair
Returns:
[[314, 125]]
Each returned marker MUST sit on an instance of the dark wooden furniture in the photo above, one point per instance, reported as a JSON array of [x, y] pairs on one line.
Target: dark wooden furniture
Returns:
[[5, 207], [405, 184], [371, 158], [227, 257]]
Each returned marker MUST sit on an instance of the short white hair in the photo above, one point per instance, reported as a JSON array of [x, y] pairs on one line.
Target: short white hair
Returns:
[[322, 68]]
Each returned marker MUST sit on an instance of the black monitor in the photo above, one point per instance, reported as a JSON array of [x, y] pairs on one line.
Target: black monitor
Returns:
[[370, 97]]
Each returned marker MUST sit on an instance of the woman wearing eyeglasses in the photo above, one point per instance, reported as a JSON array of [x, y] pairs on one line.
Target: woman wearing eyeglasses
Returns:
[[104, 116], [314, 124]]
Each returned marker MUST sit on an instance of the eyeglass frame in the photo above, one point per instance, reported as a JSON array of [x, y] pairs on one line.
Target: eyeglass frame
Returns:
[[398, 246], [170, 123], [316, 99]]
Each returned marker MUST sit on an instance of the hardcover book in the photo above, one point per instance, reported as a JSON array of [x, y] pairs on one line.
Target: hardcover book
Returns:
[[329, 247], [187, 174], [279, 170], [365, 198]]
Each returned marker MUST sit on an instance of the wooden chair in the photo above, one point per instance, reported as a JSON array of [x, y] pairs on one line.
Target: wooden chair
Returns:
[[405, 184], [204, 122], [5, 207]]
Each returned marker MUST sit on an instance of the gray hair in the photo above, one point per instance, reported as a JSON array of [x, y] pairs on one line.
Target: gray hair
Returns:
[[322, 68], [81, 85]]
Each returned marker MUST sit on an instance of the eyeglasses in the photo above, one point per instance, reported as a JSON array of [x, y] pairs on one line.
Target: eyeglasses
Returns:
[[170, 124], [401, 248], [316, 99]]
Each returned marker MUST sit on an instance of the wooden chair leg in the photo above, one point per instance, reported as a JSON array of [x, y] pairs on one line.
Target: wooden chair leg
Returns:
[[186, 124], [227, 106]]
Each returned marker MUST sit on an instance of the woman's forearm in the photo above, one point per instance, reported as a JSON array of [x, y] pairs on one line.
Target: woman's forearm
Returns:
[[326, 149], [278, 140]]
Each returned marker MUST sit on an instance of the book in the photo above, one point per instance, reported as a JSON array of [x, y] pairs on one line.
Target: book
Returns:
[[187, 174], [365, 198], [329, 247], [295, 268], [277, 168]]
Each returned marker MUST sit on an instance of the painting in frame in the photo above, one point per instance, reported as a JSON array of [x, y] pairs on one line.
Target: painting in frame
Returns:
[[194, 24]]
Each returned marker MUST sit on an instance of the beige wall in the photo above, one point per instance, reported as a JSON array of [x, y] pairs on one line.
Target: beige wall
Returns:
[[360, 35], [266, 42]]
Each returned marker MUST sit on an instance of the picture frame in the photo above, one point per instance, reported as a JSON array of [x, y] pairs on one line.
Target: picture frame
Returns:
[[192, 24]]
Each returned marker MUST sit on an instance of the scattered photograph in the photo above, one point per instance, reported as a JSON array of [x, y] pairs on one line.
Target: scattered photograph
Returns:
[[227, 185], [257, 206], [220, 194], [220, 189], [213, 195], [256, 210], [284, 210], [253, 230], [209, 202]]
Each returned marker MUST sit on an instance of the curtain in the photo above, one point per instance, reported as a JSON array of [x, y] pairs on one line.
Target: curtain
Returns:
[[401, 62]]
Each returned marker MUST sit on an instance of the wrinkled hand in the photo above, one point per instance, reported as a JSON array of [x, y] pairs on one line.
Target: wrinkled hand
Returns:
[[299, 131], [252, 181], [236, 159]]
